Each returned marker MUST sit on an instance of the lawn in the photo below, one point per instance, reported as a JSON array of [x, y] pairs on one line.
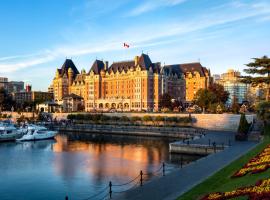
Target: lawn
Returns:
[[222, 181]]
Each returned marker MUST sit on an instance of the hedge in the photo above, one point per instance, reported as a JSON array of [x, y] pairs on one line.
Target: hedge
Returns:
[[103, 118]]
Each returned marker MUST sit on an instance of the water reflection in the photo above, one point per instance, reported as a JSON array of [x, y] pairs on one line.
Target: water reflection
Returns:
[[119, 158], [77, 164]]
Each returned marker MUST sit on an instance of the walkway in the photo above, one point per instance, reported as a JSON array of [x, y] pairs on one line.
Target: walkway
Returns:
[[179, 181]]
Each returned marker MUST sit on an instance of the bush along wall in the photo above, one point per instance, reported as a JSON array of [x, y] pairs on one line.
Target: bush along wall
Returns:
[[135, 120]]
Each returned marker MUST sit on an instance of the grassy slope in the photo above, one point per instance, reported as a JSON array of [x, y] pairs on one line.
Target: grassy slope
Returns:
[[222, 181]]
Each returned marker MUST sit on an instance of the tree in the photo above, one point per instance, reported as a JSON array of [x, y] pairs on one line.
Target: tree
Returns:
[[166, 101], [177, 104], [235, 106], [6, 102], [220, 94], [261, 68], [243, 125], [243, 128], [204, 97], [263, 111], [211, 97]]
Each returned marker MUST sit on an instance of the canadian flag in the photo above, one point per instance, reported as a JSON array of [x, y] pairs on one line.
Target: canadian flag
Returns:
[[126, 45]]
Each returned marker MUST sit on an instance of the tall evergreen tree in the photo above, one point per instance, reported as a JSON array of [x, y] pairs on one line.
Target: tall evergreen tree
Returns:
[[260, 69]]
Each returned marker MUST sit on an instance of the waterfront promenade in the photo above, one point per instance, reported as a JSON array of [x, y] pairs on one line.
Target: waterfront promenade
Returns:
[[181, 180]]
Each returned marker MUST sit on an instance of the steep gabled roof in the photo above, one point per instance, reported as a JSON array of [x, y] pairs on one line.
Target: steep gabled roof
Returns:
[[192, 67], [172, 69], [120, 66], [144, 61], [97, 66], [65, 67], [185, 68]]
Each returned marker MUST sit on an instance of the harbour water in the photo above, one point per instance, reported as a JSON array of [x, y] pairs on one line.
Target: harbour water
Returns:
[[77, 165]]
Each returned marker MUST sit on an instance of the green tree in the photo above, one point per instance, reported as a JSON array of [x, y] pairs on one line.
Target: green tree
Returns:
[[204, 97], [260, 68], [166, 101], [243, 125], [243, 128], [235, 105], [6, 102], [263, 112], [221, 96]]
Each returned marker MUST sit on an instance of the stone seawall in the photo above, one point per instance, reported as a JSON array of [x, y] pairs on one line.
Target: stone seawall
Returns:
[[166, 132], [227, 122], [224, 122]]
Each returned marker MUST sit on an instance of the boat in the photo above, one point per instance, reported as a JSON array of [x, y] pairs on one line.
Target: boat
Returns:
[[35, 132], [8, 132]]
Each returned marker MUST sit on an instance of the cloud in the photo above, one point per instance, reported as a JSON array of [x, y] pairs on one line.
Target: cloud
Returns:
[[151, 5], [164, 33], [18, 56]]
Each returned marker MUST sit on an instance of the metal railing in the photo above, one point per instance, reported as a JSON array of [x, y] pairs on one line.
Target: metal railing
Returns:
[[112, 188]]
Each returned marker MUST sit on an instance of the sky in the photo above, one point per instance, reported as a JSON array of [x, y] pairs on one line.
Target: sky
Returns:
[[36, 36]]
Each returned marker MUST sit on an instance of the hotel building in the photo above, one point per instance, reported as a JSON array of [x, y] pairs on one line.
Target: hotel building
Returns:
[[128, 85]]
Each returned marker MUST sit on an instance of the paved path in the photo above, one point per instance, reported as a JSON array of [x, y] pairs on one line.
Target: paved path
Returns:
[[181, 180]]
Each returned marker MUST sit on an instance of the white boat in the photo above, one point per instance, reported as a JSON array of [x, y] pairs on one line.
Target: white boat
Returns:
[[8, 132], [37, 133]]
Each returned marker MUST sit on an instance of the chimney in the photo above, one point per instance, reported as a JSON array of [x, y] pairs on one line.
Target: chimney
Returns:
[[106, 65]]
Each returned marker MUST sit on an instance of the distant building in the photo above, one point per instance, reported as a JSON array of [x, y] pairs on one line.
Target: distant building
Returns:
[[196, 77], [231, 83], [4, 83], [31, 96], [50, 88], [216, 78], [49, 106], [15, 86], [72, 103]]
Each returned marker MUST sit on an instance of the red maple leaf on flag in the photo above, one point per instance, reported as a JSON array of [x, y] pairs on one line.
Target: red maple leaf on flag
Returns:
[[126, 45]]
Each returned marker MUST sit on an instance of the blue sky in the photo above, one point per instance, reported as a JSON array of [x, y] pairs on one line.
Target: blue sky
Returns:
[[37, 35]]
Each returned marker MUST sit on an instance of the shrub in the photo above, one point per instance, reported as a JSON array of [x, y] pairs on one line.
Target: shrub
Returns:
[[105, 118], [243, 125], [147, 118], [115, 118], [172, 119], [96, 118], [135, 118], [159, 118], [70, 117], [185, 119], [125, 119], [263, 112], [242, 128]]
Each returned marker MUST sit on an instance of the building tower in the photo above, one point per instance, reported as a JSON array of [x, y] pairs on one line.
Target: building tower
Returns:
[[70, 79]]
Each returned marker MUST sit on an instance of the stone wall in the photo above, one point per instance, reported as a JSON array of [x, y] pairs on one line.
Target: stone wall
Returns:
[[227, 122]]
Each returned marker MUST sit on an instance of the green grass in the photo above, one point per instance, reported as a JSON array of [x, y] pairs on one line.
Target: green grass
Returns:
[[222, 181]]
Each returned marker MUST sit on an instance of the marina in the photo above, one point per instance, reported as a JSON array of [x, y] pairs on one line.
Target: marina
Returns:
[[78, 165]]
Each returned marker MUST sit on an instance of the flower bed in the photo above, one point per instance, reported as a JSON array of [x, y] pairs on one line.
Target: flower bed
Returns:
[[258, 192], [258, 164]]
